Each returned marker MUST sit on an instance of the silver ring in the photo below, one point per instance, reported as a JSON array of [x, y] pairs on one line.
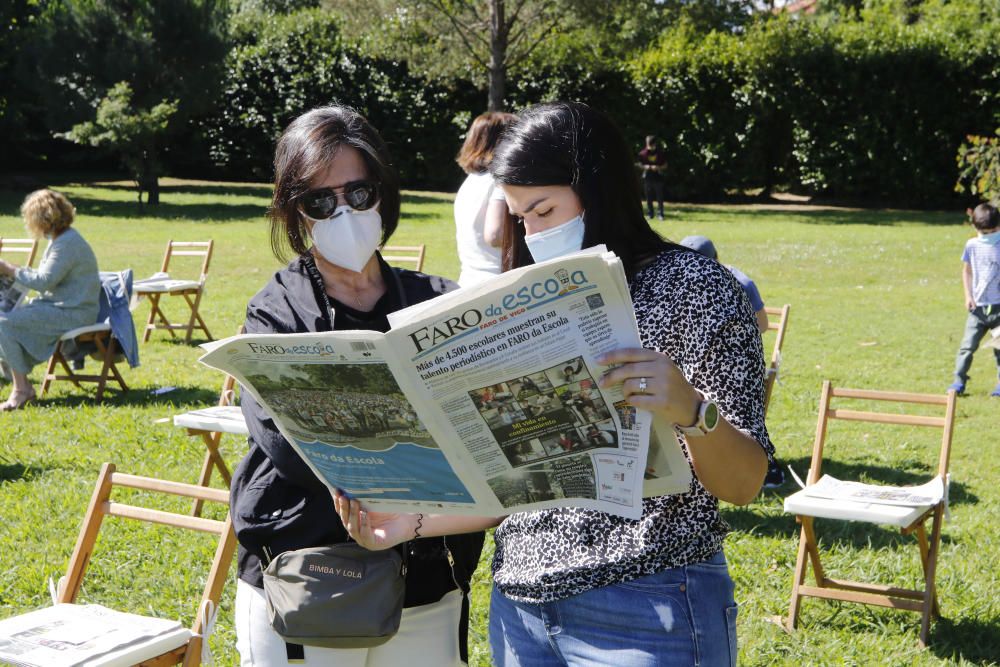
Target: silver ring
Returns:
[[642, 385]]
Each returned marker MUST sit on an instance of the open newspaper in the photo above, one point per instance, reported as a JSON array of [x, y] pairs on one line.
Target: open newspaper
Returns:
[[12, 293], [70, 635], [482, 401]]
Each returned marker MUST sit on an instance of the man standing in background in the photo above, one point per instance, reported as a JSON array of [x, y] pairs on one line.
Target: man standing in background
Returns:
[[653, 162]]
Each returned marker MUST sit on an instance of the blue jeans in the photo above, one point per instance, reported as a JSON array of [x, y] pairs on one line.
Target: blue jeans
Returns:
[[681, 616], [980, 320]]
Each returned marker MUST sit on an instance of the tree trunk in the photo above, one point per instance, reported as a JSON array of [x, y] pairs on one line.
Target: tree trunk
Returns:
[[150, 180], [498, 55], [153, 190]]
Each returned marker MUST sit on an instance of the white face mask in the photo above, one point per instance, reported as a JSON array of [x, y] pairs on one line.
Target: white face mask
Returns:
[[348, 238], [556, 241]]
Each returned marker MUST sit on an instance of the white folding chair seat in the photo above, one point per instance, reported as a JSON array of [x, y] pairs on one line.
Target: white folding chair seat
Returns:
[[216, 419], [847, 510], [108, 350]]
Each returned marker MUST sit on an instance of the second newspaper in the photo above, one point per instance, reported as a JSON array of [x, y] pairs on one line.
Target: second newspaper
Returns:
[[482, 401]]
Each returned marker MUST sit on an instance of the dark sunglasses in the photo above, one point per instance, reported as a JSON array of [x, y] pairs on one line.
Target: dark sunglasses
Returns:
[[320, 204]]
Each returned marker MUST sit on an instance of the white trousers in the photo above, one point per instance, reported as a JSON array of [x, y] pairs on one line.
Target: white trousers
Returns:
[[428, 635]]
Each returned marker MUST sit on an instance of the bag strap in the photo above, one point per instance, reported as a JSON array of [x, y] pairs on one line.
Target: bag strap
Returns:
[[464, 584]]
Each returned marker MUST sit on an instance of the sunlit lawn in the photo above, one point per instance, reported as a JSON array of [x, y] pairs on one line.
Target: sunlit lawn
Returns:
[[876, 303]]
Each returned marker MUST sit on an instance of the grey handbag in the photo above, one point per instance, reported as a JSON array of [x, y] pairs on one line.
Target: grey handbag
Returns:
[[336, 596]]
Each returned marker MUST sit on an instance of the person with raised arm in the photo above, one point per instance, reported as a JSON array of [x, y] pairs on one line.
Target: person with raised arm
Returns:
[[578, 586]]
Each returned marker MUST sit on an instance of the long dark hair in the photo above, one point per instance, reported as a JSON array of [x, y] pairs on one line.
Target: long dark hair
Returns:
[[305, 150], [569, 143]]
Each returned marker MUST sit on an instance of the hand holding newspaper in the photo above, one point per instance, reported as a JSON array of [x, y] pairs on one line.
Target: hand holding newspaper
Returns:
[[482, 401]]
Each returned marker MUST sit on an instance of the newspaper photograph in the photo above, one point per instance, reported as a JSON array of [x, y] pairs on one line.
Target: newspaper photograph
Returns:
[[483, 401], [336, 400]]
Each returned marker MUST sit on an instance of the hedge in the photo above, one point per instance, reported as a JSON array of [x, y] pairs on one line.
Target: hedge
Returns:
[[282, 66], [868, 110], [871, 109]]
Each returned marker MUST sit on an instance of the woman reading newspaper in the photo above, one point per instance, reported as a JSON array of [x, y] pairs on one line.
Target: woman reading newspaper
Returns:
[[68, 286], [574, 586], [336, 198]]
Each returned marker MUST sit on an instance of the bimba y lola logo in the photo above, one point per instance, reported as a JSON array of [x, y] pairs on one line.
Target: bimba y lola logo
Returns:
[[347, 573], [511, 304]]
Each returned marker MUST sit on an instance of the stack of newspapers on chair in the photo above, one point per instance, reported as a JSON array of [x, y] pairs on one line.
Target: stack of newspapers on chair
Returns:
[[71, 635]]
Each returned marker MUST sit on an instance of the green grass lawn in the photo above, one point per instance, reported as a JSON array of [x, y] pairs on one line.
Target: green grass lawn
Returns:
[[876, 303]]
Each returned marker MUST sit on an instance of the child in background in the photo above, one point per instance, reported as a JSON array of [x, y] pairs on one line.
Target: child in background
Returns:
[[775, 474], [981, 282]]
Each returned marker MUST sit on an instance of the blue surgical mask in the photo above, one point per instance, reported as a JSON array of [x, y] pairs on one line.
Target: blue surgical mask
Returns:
[[557, 241], [992, 238]]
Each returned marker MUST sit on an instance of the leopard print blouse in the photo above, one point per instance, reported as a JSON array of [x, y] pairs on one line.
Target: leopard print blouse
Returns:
[[692, 309]]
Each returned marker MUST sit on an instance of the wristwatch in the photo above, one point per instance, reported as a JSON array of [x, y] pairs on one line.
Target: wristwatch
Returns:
[[708, 419]]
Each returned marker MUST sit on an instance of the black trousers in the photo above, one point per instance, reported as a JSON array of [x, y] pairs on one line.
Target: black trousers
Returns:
[[654, 187]]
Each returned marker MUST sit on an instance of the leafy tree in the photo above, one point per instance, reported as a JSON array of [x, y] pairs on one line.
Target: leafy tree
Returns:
[[284, 65], [482, 38], [17, 22], [163, 49], [493, 42], [131, 132], [979, 167]]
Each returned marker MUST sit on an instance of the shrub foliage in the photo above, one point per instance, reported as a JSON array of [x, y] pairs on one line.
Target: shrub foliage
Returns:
[[867, 104]]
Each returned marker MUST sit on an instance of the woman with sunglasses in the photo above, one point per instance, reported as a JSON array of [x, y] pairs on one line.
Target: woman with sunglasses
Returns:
[[336, 198], [575, 586]]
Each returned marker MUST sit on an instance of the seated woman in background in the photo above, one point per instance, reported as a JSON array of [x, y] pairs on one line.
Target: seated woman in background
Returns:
[[68, 285], [480, 209]]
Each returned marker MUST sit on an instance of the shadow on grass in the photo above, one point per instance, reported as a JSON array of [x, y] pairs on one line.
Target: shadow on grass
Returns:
[[835, 216], [10, 472], [161, 336], [209, 212], [134, 398], [969, 641], [242, 189], [421, 216], [410, 198]]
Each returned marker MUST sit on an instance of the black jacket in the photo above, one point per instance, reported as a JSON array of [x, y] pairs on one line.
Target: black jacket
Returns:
[[277, 502]]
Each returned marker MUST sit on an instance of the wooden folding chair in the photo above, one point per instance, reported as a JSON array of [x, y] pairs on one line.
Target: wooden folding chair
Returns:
[[210, 424], [910, 519], [101, 336], [162, 284], [395, 254], [27, 247], [777, 320], [102, 505]]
